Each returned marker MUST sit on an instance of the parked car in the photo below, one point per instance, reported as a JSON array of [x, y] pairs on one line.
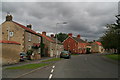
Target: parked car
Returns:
[[65, 54], [23, 56]]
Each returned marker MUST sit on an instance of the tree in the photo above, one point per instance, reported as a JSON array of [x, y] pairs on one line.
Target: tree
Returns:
[[111, 37], [61, 36]]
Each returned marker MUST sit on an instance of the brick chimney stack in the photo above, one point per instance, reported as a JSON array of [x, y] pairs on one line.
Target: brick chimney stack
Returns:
[[29, 26], [44, 33], [9, 17], [70, 34], [78, 36], [52, 35]]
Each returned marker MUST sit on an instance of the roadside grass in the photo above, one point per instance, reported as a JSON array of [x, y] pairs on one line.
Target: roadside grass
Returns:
[[113, 56], [29, 66], [53, 59]]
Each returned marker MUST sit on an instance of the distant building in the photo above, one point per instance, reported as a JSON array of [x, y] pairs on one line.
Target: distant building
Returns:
[[51, 47], [58, 45], [96, 47], [75, 44], [14, 32]]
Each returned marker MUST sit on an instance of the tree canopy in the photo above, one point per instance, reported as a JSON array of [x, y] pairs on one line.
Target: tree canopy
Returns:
[[111, 38], [61, 36]]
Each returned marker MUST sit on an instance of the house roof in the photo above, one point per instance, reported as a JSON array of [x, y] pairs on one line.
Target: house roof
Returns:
[[79, 40], [54, 39], [9, 42], [28, 29], [98, 43], [49, 39]]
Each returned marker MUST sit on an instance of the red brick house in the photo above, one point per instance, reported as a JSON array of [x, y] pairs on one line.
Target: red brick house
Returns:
[[75, 44]]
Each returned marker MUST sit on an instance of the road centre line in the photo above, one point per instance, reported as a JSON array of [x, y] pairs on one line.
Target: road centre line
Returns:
[[52, 70], [53, 67], [50, 76]]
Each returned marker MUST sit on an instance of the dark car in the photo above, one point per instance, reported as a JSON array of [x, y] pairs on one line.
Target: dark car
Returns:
[[23, 56], [65, 54]]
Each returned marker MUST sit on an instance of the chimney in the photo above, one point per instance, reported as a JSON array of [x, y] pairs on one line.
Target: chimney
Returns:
[[86, 40], [9, 17], [29, 26], [70, 34], [52, 35], [93, 40], [44, 33], [78, 36]]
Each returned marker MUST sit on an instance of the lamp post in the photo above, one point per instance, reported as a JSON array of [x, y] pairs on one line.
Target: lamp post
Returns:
[[56, 37]]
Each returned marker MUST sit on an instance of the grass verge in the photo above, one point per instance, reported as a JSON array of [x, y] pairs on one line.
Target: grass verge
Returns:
[[53, 59], [113, 56], [30, 66]]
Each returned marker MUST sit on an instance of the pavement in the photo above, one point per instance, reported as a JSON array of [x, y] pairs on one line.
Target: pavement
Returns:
[[79, 66]]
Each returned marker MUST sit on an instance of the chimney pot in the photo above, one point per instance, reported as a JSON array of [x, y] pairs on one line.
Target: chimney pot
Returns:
[[9, 17], [93, 40], [29, 26], [70, 34], [44, 33], [78, 36], [52, 35]]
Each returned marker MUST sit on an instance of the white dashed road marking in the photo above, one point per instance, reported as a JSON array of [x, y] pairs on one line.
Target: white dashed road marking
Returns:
[[53, 67], [51, 74], [52, 70]]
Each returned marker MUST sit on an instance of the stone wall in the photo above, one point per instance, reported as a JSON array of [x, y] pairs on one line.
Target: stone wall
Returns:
[[10, 53]]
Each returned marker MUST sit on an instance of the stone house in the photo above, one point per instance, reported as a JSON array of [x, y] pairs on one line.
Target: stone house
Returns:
[[28, 39], [58, 46], [51, 48], [96, 47], [10, 52]]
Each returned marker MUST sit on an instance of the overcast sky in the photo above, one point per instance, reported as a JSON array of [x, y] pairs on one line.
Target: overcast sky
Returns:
[[85, 18]]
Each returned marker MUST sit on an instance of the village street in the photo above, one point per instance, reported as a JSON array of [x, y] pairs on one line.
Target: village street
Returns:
[[79, 66]]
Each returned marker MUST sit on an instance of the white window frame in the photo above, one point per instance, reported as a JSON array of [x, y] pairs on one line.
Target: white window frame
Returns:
[[39, 39], [39, 50], [29, 37], [29, 47], [11, 33]]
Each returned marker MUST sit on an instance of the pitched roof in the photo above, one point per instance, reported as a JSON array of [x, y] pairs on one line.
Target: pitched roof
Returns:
[[99, 43], [9, 42], [49, 39], [28, 29], [79, 40], [54, 39]]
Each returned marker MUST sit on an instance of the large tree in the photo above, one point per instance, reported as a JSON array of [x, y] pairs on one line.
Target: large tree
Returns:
[[61, 36], [111, 38]]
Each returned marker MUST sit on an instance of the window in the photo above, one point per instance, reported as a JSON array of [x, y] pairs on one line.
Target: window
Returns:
[[11, 34], [39, 39], [29, 37], [39, 50], [29, 47]]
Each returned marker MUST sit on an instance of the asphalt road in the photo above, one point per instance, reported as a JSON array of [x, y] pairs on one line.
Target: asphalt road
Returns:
[[79, 66]]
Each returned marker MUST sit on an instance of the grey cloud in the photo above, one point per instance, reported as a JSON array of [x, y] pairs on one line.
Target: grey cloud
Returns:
[[87, 19]]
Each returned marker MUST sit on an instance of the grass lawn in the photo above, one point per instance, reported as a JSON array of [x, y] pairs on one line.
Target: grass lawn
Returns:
[[113, 56], [53, 59], [29, 66]]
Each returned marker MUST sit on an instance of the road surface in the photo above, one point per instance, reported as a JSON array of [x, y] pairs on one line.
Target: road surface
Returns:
[[79, 66]]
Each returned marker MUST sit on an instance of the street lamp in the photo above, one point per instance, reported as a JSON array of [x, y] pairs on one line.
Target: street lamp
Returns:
[[56, 36]]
